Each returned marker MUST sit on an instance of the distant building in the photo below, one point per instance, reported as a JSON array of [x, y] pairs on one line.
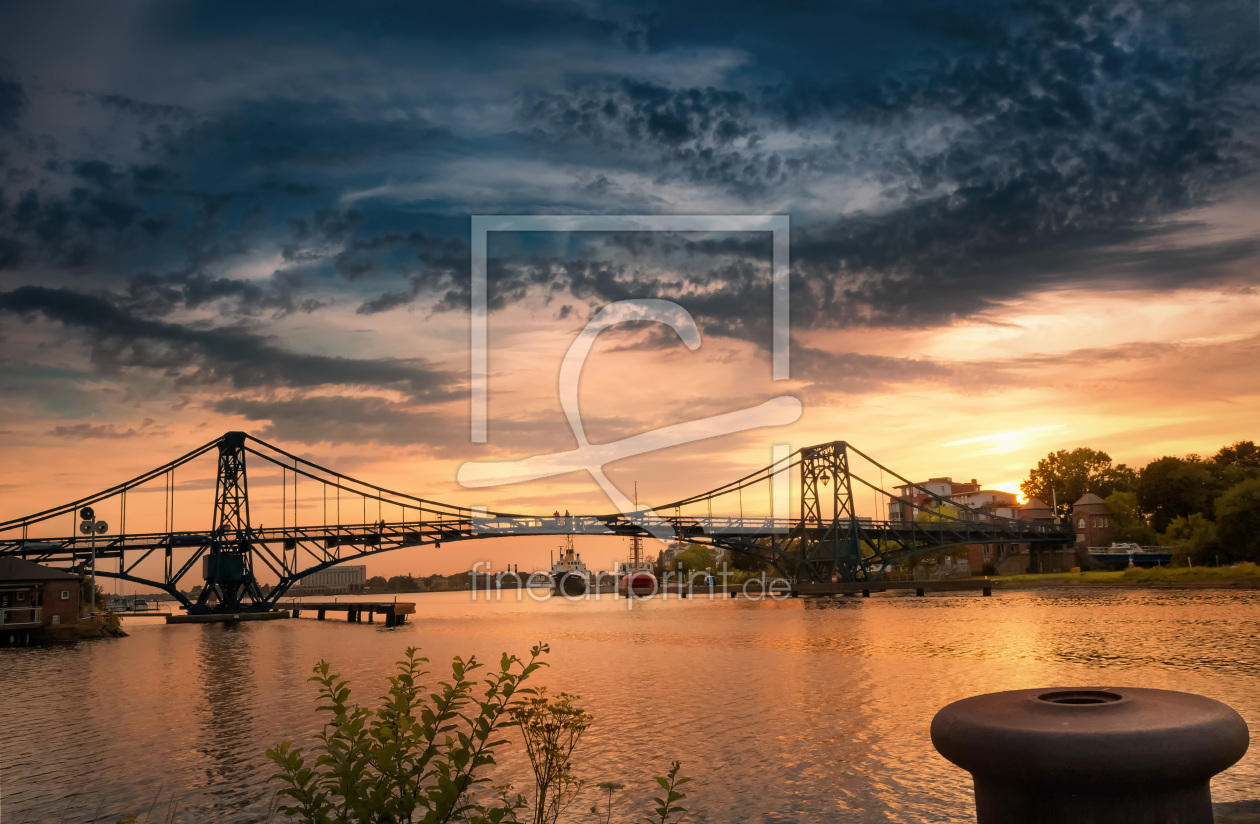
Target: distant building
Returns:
[[994, 503], [33, 597], [339, 580], [912, 499], [1092, 521]]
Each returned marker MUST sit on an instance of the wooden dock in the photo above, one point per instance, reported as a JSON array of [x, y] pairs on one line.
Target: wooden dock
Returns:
[[395, 612]]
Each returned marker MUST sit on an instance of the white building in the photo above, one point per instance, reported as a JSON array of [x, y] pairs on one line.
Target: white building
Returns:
[[992, 502], [339, 580]]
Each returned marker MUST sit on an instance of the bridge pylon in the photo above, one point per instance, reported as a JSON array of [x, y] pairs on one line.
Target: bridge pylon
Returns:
[[228, 565], [831, 536]]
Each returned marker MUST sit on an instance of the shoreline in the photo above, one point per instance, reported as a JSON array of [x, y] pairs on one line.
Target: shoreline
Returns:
[[1066, 581]]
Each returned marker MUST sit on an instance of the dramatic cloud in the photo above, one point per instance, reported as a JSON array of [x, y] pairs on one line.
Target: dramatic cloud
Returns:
[[217, 355], [251, 216]]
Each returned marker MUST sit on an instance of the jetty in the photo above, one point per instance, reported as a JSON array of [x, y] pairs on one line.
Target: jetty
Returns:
[[394, 612]]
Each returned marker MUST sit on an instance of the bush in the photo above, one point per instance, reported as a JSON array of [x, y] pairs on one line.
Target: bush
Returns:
[[421, 758]]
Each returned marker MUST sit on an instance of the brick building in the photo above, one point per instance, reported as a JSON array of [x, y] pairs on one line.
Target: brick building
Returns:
[[1092, 521], [33, 597]]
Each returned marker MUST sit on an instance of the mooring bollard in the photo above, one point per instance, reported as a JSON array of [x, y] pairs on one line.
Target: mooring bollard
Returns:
[[1091, 755]]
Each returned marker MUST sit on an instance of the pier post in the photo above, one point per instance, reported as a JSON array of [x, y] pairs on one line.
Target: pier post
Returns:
[[866, 593], [1123, 755], [321, 615], [919, 592], [371, 617]]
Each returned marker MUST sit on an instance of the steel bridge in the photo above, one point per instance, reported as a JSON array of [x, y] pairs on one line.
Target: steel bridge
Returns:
[[825, 541]]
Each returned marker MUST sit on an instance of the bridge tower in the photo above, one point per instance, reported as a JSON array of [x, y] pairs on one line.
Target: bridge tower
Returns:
[[830, 536], [228, 565]]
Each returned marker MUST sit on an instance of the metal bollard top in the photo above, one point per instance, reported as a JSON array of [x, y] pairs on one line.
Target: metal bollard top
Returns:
[[1091, 736]]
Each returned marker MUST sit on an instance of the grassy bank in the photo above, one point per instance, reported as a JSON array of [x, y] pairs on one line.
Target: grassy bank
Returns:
[[1246, 574]]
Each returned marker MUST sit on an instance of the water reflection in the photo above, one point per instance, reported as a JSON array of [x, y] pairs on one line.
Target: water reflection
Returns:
[[226, 680], [798, 711]]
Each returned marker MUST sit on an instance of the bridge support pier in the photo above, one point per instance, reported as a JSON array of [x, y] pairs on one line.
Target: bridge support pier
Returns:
[[919, 592], [320, 616]]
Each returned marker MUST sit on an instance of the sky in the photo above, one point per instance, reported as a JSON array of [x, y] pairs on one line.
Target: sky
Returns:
[[1015, 227]]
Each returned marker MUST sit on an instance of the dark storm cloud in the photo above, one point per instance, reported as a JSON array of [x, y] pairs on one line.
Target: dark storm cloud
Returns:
[[293, 132], [142, 110], [210, 356], [688, 130], [1078, 129], [284, 293], [12, 99]]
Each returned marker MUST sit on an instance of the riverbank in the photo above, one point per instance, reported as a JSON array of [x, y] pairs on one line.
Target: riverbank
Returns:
[[1237, 576]]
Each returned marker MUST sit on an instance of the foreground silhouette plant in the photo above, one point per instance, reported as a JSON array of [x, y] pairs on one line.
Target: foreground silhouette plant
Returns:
[[411, 760], [419, 757], [551, 729]]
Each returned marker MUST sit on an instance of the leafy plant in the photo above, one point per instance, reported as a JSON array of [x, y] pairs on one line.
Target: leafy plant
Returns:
[[420, 756], [665, 807], [411, 760]]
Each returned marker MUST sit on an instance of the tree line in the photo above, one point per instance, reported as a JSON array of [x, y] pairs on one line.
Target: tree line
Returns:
[[1208, 508], [406, 583]]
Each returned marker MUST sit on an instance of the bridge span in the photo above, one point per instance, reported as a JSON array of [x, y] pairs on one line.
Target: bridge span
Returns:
[[825, 541]]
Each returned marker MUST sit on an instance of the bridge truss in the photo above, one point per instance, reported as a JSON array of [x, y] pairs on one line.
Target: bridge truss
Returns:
[[825, 540]]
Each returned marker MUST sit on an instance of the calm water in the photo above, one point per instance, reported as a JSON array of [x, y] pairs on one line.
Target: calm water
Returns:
[[790, 711]]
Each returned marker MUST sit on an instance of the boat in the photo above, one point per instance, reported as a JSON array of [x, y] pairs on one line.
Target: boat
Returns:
[[636, 581], [569, 576], [1131, 555]]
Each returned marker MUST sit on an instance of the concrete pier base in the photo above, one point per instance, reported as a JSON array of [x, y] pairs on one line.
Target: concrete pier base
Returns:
[[226, 617]]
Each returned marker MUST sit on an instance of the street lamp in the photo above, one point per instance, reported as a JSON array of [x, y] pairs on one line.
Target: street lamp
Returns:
[[88, 525]]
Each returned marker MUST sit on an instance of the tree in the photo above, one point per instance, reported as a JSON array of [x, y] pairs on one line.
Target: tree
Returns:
[[1244, 454], [377, 582], [1238, 521], [693, 558], [1131, 524], [1063, 477], [85, 585], [1193, 538], [403, 583], [1175, 487]]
